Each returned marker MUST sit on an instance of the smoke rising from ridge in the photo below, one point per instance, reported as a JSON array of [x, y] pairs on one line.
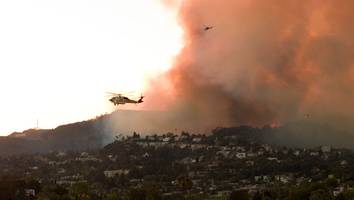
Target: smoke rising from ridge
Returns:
[[264, 62]]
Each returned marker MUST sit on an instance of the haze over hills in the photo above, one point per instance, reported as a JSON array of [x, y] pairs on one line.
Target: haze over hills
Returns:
[[90, 134], [95, 133], [77, 136]]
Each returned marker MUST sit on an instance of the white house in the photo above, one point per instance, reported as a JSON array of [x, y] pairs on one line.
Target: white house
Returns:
[[30, 192], [113, 173], [326, 149], [241, 155]]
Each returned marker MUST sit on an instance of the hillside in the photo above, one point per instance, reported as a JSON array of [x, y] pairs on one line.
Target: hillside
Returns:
[[76, 136], [96, 133], [90, 134]]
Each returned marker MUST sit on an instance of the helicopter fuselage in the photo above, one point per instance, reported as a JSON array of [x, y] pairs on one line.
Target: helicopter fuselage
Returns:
[[116, 100]]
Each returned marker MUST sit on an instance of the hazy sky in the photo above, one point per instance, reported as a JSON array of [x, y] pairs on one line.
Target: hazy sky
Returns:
[[58, 58]]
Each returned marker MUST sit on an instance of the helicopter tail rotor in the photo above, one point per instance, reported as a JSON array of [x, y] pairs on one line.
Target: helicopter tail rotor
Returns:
[[141, 98]]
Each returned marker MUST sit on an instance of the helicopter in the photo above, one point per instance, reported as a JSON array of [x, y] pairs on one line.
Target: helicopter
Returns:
[[117, 99], [206, 28]]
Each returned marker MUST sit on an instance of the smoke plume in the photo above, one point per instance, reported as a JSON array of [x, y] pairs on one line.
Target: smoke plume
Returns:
[[263, 62]]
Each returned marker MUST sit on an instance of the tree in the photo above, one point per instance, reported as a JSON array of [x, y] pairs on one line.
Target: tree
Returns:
[[80, 191], [184, 183], [346, 195], [152, 191], [320, 194], [257, 196], [239, 195], [111, 196], [54, 192], [137, 194]]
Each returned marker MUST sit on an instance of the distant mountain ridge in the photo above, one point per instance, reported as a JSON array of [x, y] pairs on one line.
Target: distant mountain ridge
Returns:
[[89, 134], [97, 132], [75, 136], [30, 134]]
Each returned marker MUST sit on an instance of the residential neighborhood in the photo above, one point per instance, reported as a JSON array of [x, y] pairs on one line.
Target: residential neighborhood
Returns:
[[228, 164]]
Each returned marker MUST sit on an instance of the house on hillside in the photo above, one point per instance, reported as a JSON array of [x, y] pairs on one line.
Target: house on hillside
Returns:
[[113, 173]]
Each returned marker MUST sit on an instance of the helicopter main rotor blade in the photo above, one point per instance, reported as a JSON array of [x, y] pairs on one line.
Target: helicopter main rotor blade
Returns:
[[113, 94], [124, 93]]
